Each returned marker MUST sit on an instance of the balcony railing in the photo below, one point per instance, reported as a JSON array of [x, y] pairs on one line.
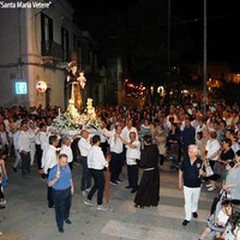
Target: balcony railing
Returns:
[[53, 50]]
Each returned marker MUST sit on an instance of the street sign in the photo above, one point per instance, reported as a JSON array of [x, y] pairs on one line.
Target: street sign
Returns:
[[20, 88]]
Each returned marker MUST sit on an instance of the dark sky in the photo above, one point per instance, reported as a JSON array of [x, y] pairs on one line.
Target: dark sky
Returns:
[[223, 27], [223, 22]]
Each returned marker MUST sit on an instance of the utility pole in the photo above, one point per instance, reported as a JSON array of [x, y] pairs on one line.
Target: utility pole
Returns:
[[205, 75], [168, 59]]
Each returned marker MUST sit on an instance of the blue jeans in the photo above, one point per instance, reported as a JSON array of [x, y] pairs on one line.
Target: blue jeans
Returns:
[[62, 200]]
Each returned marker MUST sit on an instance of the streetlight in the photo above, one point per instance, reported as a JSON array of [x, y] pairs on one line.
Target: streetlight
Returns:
[[205, 75], [168, 57]]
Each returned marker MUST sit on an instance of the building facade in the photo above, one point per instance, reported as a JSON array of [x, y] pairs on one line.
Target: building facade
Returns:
[[36, 43]]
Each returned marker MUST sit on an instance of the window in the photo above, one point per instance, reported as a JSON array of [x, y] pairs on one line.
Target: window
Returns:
[[65, 44], [47, 28]]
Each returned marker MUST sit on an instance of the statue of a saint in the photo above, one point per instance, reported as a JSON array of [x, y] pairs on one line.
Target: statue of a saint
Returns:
[[77, 82]]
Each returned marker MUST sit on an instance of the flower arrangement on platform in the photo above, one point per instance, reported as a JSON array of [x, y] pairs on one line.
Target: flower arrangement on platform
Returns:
[[71, 122]]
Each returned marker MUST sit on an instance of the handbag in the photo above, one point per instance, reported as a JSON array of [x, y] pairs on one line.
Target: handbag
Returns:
[[208, 169], [4, 181]]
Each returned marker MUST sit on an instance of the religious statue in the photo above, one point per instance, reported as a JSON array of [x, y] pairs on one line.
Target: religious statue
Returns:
[[77, 82]]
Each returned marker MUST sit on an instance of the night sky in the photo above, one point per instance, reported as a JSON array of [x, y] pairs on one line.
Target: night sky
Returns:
[[223, 23]]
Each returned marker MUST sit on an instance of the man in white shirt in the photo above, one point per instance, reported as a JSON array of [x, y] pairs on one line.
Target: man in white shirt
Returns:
[[104, 134], [43, 138], [41, 141], [117, 158], [17, 161], [66, 149], [24, 145], [32, 129], [96, 163], [4, 145], [49, 157], [127, 129], [132, 156], [49, 160], [84, 146]]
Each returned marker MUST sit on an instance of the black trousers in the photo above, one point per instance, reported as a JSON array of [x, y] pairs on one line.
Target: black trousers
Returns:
[[86, 180], [49, 193], [116, 164], [104, 146], [162, 159], [38, 156], [62, 200], [1, 193], [99, 185], [25, 157], [132, 176]]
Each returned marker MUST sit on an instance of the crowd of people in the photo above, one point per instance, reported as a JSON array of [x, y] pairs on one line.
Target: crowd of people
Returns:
[[140, 138]]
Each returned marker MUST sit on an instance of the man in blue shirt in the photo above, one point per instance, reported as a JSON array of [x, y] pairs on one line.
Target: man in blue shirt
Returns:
[[60, 179], [190, 182]]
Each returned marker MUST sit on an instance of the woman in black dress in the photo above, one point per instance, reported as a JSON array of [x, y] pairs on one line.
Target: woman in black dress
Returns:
[[148, 191]]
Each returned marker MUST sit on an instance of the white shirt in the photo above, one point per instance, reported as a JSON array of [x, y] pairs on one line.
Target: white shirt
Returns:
[[116, 145], [43, 139], [3, 137], [32, 133], [200, 128], [125, 133], [84, 146], [49, 158], [68, 151], [96, 159], [235, 147], [15, 139], [222, 217], [24, 142], [104, 134], [133, 153], [212, 146], [37, 138]]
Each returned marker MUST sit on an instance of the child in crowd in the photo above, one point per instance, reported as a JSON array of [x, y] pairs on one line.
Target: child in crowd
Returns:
[[218, 225]]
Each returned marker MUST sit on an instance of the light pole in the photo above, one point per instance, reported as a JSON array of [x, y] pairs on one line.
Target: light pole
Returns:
[[168, 58], [205, 75]]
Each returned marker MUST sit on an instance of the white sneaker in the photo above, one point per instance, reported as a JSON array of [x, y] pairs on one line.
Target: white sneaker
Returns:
[[208, 185], [211, 188], [88, 190], [113, 183], [2, 202], [101, 208], [88, 202]]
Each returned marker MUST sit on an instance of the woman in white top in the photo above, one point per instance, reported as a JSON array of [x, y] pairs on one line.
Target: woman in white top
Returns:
[[213, 150]]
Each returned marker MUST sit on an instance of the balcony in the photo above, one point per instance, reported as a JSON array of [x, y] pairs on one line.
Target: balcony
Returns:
[[52, 51]]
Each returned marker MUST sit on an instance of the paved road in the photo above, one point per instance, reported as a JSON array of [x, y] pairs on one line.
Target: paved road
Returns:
[[27, 217]]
